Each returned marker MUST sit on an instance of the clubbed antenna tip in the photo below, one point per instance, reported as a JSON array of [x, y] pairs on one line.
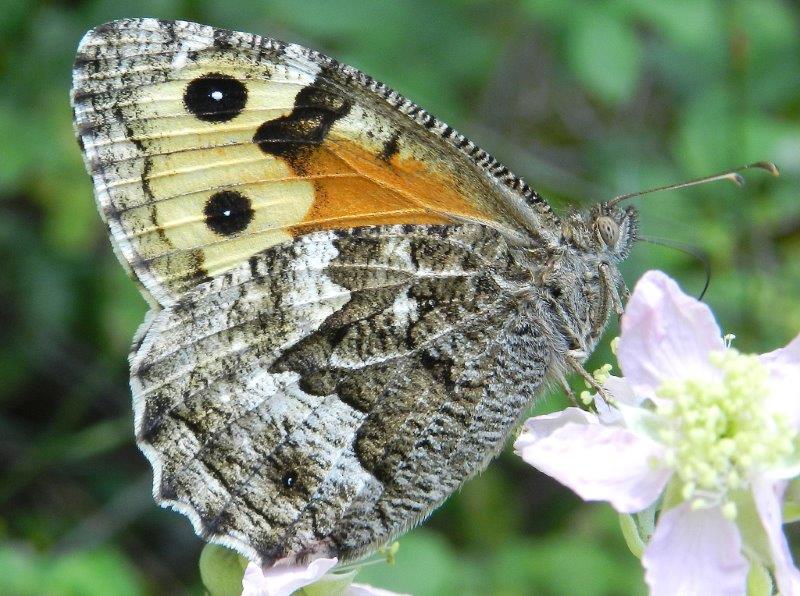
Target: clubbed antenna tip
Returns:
[[736, 178], [766, 165], [733, 175]]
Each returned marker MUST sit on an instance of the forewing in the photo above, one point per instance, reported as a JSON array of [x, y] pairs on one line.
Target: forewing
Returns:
[[207, 146], [329, 393]]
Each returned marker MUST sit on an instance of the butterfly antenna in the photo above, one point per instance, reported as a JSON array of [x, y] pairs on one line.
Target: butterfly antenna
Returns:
[[733, 175], [687, 249]]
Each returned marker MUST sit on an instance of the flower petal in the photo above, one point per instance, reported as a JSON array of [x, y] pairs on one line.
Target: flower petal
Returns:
[[282, 580], [607, 414], [665, 335], [768, 496], [784, 379], [695, 552], [789, 355], [599, 463], [621, 391], [543, 426], [366, 590]]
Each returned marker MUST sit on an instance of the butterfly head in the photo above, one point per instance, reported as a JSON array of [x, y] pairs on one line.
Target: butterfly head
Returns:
[[603, 229]]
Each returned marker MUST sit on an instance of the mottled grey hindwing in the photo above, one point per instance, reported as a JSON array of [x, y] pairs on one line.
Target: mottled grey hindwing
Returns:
[[329, 393]]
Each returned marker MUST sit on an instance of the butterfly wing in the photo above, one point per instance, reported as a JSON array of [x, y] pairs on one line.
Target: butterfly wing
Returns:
[[329, 355], [329, 393], [207, 146]]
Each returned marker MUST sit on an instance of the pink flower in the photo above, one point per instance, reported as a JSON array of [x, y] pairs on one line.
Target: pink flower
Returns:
[[283, 580], [714, 431]]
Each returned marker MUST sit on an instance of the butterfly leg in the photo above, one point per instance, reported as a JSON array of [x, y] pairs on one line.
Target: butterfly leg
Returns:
[[612, 289], [568, 391], [625, 294], [575, 364], [609, 299]]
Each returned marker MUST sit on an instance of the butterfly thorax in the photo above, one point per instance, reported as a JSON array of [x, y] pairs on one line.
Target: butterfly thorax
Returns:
[[578, 282]]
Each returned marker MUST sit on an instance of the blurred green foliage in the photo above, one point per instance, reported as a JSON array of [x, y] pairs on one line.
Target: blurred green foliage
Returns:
[[584, 99]]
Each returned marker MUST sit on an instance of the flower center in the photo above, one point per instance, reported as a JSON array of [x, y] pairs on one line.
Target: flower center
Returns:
[[720, 429]]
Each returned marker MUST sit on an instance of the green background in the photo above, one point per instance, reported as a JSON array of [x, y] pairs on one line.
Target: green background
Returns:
[[584, 99]]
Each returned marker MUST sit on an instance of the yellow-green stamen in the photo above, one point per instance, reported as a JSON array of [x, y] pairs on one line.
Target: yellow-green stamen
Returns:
[[720, 429]]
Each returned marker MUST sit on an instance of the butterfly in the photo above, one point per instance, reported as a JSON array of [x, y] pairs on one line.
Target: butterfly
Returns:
[[352, 304]]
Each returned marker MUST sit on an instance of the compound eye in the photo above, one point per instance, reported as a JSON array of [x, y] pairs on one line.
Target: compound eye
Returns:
[[609, 230]]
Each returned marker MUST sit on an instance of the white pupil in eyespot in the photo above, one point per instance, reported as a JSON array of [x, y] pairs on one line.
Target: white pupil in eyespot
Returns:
[[216, 95], [226, 213]]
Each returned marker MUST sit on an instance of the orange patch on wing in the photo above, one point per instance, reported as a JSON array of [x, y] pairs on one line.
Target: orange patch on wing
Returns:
[[354, 187]]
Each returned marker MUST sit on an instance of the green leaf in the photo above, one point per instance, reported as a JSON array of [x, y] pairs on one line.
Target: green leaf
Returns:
[[425, 565], [690, 24], [84, 573], [484, 502], [21, 572], [564, 565], [759, 582], [755, 540], [330, 584], [88, 573], [791, 502], [605, 54], [221, 570], [631, 535], [707, 136]]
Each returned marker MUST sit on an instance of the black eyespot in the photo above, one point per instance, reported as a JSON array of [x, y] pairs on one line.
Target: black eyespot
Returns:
[[228, 212], [289, 478], [215, 97]]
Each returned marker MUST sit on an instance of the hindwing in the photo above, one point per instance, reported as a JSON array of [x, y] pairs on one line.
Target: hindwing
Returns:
[[329, 393]]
